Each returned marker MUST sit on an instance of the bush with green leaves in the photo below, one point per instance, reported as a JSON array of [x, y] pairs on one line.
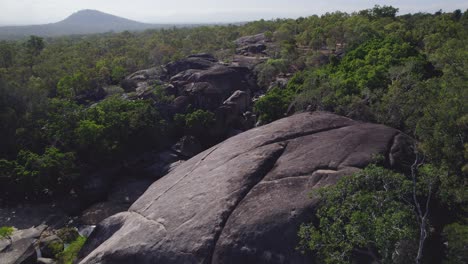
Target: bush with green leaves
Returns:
[[196, 123], [69, 255], [456, 237], [115, 127], [6, 231], [38, 174], [268, 70], [273, 105], [364, 213]]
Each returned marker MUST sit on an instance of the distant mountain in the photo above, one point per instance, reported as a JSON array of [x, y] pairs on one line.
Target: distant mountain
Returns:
[[81, 22]]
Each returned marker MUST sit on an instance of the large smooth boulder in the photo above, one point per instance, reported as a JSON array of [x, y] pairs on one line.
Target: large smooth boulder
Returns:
[[242, 201]]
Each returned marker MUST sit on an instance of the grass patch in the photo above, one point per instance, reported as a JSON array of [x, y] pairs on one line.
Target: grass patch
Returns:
[[6, 231], [71, 252]]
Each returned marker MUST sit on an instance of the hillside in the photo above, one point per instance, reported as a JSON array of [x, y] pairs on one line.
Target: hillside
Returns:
[[341, 136], [81, 22]]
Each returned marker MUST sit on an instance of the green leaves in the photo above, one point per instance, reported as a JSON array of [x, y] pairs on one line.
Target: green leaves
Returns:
[[72, 85], [69, 255], [273, 105], [364, 212], [39, 174], [196, 123], [456, 236], [115, 126], [71, 135], [6, 231]]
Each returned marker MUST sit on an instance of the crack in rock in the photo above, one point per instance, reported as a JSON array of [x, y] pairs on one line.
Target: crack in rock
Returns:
[[264, 172], [195, 166]]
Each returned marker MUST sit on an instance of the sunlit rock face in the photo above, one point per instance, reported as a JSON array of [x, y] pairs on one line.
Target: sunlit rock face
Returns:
[[243, 200]]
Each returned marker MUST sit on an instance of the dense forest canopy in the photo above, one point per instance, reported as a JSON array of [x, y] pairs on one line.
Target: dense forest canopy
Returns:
[[62, 112]]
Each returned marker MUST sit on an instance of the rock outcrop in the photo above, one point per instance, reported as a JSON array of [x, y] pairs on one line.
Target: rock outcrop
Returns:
[[199, 81], [249, 40], [19, 247], [243, 200]]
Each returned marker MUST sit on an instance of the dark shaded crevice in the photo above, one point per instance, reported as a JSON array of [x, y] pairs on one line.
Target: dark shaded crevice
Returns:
[[194, 167], [301, 134], [390, 144], [264, 169]]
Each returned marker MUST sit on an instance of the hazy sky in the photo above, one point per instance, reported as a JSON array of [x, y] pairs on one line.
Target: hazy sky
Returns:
[[173, 11]]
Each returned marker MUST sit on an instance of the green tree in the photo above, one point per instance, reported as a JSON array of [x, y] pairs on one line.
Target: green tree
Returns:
[[375, 212], [456, 236], [72, 85], [273, 105], [34, 45], [7, 54], [39, 174], [365, 214], [196, 123]]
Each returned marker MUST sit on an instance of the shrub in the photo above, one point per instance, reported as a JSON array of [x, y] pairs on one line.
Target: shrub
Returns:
[[68, 234], [40, 174], [196, 123], [6, 231], [273, 105], [365, 212], [55, 248], [456, 236]]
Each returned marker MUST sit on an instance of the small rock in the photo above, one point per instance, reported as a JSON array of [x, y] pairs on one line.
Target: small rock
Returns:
[[46, 261], [86, 230], [51, 246]]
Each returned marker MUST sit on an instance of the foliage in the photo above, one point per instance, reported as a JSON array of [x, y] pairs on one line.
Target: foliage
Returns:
[[161, 96], [116, 126], [365, 212], [70, 135], [383, 215], [38, 174], [68, 234], [273, 105], [270, 69], [196, 123], [71, 86], [69, 255], [55, 247], [6, 231], [456, 236], [380, 12], [408, 72]]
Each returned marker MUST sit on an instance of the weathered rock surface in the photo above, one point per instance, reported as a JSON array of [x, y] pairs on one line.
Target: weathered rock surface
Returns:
[[19, 247], [198, 62], [243, 200], [199, 82], [249, 40]]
